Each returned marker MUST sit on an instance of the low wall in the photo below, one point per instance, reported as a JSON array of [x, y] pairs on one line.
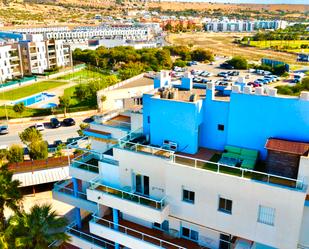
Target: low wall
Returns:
[[47, 118]]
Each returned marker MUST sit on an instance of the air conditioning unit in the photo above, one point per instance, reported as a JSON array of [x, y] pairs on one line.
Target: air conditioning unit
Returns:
[[170, 145]]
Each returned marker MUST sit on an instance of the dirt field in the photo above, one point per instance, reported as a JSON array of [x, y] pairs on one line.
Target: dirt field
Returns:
[[228, 6], [222, 44]]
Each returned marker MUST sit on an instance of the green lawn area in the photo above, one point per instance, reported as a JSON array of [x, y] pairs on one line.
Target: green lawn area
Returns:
[[29, 112], [25, 91], [289, 45], [82, 76]]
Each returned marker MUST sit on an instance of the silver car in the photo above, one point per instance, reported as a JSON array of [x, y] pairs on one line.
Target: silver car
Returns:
[[4, 129]]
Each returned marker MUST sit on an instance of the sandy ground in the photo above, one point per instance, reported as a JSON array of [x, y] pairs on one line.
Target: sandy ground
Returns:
[[222, 44], [42, 198]]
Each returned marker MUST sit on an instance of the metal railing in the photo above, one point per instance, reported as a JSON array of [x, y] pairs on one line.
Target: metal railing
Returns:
[[125, 143], [62, 187], [71, 230], [81, 162], [134, 233], [117, 124], [127, 195], [238, 171]]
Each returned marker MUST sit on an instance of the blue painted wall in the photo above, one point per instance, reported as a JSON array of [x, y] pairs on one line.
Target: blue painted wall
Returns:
[[176, 121], [253, 119], [215, 113], [146, 113]]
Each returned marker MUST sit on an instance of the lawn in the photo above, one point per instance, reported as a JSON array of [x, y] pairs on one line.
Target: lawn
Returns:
[[288, 45], [29, 112], [82, 76], [25, 91]]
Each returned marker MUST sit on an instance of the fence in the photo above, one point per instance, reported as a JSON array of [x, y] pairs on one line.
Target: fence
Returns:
[[34, 165]]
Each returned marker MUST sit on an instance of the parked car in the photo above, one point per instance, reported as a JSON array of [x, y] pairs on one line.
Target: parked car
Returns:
[[191, 63], [225, 65], [233, 73], [222, 74], [254, 84], [4, 129], [68, 122], [197, 80], [57, 143], [196, 72], [54, 123], [39, 126]]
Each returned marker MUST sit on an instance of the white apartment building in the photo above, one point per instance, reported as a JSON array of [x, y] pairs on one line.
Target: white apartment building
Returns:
[[33, 55], [227, 25], [150, 179]]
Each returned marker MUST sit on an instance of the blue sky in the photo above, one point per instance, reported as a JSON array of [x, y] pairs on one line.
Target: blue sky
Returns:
[[254, 1]]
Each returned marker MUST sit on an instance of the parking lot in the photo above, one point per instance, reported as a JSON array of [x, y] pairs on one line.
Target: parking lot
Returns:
[[211, 72]]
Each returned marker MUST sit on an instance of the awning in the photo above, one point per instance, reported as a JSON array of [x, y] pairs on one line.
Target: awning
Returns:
[[42, 176], [292, 147]]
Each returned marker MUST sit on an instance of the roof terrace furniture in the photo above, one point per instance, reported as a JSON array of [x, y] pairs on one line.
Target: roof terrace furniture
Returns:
[[247, 157]]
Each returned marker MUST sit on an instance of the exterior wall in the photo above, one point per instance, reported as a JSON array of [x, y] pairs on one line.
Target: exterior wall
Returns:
[[253, 119], [243, 220], [303, 170], [109, 174], [175, 121], [215, 112], [304, 238], [5, 67]]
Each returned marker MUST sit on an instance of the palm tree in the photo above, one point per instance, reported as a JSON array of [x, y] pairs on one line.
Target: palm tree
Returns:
[[37, 229], [10, 196]]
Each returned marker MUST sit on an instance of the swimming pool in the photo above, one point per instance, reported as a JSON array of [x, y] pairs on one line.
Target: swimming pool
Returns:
[[48, 105], [34, 99]]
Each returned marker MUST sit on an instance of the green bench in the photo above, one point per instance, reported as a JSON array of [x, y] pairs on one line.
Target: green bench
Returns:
[[247, 157]]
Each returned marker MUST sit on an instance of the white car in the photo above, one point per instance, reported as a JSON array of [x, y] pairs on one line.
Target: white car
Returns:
[[39, 126]]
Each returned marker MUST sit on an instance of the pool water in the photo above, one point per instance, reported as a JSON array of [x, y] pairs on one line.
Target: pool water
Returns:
[[48, 106], [35, 99]]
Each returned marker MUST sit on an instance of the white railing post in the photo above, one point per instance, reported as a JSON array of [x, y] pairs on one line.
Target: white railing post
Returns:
[[195, 163], [218, 169]]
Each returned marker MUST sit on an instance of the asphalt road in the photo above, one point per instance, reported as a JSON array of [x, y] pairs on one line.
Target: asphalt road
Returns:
[[49, 134]]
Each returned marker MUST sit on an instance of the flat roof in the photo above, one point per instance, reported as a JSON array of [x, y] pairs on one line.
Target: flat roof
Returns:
[[144, 81]]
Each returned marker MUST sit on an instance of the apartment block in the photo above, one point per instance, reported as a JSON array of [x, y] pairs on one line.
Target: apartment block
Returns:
[[192, 169], [32, 55], [227, 25]]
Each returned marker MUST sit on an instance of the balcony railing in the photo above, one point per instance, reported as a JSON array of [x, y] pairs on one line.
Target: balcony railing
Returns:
[[125, 143], [124, 194], [63, 187], [72, 230], [87, 161], [237, 171], [134, 233]]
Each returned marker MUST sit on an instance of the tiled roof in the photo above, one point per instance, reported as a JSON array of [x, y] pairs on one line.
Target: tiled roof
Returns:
[[293, 147]]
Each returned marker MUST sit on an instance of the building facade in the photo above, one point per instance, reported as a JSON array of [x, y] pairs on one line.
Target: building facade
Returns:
[[154, 176], [33, 55]]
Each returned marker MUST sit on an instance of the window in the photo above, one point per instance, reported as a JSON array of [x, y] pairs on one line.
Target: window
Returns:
[[266, 215], [188, 196], [220, 127], [225, 205], [224, 241], [148, 119], [189, 233], [163, 226]]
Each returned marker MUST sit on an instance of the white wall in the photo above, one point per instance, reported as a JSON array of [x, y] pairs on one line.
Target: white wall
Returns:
[[303, 170], [304, 238]]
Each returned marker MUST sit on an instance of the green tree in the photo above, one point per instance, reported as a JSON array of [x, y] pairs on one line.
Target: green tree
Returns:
[[38, 150], [3, 157], [30, 135], [202, 55], [37, 228], [65, 102], [15, 154], [58, 151], [238, 62], [82, 127], [10, 195], [19, 108]]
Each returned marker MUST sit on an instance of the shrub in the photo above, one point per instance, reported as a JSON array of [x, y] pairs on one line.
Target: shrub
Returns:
[[202, 55], [15, 154], [180, 63], [238, 62]]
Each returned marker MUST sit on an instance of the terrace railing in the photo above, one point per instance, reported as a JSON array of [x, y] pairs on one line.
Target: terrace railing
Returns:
[[81, 162], [73, 231], [117, 124], [238, 171], [132, 232], [66, 187], [124, 194], [125, 143]]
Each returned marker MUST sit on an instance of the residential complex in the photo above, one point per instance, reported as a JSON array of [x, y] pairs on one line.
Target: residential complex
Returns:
[[188, 168], [227, 25], [32, 55]]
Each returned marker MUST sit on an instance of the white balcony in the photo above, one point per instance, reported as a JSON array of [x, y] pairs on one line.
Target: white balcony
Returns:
[[85, 167], [127, 201], [136, 236], [63, 191]]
